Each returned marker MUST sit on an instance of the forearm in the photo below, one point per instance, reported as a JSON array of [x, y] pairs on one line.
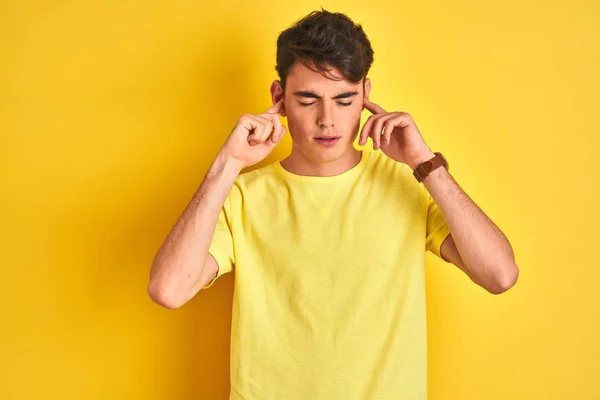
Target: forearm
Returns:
[[484, 249], [178, 264]]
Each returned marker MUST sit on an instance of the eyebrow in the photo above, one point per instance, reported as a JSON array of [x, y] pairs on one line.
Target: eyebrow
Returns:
[[313, 95]]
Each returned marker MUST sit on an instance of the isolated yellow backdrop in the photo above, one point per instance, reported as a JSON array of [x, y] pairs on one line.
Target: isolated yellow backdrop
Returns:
[[111, 113]]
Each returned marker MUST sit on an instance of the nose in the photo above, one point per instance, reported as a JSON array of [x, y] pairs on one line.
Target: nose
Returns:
[[326, 114]]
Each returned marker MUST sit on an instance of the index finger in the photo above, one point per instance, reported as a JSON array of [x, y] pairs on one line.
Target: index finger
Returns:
[[374, 108], [275, 108]]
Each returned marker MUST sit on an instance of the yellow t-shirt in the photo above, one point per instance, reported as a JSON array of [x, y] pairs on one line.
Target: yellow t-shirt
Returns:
[[329, 293]]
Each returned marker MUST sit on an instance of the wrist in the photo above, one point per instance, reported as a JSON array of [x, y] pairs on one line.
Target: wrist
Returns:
[[229, 164], [423, 156], [226, 167]]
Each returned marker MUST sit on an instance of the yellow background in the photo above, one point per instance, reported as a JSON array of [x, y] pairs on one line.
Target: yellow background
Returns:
[[112, 111]]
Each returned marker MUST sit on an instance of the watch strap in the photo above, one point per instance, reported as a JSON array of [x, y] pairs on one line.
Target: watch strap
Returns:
[[424, 169]]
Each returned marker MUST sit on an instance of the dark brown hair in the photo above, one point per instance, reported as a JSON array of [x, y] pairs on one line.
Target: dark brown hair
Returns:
[[322, 40]]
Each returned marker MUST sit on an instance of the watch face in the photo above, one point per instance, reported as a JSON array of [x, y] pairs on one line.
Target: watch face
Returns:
[[428, 166]]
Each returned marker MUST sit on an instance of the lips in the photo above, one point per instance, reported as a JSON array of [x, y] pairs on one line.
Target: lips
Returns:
[[327, 140]]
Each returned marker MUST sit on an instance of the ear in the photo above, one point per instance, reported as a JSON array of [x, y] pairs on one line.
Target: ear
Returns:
[[367, 88], [277, 94]]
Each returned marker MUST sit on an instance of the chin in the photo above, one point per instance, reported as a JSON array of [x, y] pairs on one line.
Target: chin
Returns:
[[329, 154]]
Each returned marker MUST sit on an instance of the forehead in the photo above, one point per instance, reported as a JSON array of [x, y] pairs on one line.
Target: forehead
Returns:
[[301, 77]]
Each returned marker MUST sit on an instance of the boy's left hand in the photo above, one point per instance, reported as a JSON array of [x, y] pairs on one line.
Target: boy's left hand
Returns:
[[396, 134]]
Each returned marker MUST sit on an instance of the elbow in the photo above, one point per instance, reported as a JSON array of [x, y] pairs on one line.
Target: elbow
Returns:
[[163, 295], [505, 281]]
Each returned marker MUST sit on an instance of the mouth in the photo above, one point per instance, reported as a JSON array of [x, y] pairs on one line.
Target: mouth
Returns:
[[327, 140]]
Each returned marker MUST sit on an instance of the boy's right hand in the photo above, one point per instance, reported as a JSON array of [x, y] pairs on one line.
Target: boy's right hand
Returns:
[[255, 136]]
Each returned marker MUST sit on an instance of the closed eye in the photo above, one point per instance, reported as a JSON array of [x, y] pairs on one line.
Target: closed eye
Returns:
[[340, 103]]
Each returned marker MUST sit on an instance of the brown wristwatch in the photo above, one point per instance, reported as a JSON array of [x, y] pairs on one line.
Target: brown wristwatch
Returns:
[[424, 169]]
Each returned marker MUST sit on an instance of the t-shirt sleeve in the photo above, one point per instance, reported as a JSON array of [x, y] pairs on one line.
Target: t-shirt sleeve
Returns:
[[221, 246], [437, 228]]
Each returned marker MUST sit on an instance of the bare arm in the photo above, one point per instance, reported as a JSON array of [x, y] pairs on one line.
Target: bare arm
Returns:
[[182, 265], [476, 245], [177, 270]]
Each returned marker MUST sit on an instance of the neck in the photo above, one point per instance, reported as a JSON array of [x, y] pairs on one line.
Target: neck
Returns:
[[297, 163]]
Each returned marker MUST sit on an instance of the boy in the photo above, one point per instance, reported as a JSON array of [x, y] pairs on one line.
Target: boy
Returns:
[[328, 244]]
